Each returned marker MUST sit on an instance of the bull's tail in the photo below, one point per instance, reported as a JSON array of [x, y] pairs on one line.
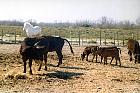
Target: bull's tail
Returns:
[[70, 46], [20, 50]]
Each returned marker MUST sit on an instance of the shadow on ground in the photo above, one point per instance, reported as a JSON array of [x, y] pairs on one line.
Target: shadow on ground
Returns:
[[78, 68], [61, 75]]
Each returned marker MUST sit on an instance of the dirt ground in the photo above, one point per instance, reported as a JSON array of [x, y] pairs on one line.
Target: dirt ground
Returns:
[[73, 76]]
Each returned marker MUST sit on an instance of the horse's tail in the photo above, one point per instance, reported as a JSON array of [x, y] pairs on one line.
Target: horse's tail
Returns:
[[70, 46], [119, 50], [20, 50]]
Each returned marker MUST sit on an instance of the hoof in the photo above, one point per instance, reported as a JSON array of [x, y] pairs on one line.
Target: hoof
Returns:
[[57, 66], [45, 69], [31, 73], [24, 71]]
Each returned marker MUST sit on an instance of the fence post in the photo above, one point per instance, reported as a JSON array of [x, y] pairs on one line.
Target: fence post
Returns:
[[82, 37], [70, 36], [2, 35], [100, 36], [117, 38], [105, 37], [123, 39], [86, 36], [114, 39], [79, 38], [132, 35], [15, 37], [137, 34], [96, 37]]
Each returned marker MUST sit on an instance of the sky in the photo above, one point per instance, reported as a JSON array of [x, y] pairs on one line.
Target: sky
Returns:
[[69, 10]]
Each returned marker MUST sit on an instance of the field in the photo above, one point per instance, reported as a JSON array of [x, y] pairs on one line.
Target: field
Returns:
[[73, 76]]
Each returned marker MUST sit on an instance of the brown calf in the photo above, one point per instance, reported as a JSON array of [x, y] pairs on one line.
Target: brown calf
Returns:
[[105, 52], [89, 50]]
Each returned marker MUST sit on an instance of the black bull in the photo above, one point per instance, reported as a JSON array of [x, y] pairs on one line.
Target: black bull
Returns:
[[37, 48]]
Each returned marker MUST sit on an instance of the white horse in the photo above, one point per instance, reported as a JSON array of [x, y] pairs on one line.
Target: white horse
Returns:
[[30, 30]]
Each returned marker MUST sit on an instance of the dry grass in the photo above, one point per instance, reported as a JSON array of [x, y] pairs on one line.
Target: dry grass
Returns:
[[73, 76]]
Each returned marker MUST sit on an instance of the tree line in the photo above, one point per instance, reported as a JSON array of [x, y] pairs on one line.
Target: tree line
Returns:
[[103, 22]]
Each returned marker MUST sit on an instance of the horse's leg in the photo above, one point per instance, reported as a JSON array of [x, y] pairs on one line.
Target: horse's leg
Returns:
[[24, 60], [87, 57], [119, 61], [111, 60], [116, 61], [30, 65], [40, 61], [60, 56], [96, 58], [93, 57], [24, 67], [136, 58], [101, 58], [45, 59], [139, 58], [105, 60], [130, 54]]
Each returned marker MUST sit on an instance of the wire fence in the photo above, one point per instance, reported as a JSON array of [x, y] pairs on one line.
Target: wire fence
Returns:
[[77, 36]]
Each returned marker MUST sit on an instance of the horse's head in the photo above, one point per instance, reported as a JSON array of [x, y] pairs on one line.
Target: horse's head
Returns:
[[27, 25]]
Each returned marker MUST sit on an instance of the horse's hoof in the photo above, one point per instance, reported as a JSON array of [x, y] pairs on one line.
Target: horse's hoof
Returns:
[[45, 69], [57, 66], [31, 73]]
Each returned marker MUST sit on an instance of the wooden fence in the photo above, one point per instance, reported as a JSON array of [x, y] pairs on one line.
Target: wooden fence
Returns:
[[78, 37]]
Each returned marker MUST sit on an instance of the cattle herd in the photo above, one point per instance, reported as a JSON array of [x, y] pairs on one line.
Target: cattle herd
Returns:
[[104, 52], [37, 48]]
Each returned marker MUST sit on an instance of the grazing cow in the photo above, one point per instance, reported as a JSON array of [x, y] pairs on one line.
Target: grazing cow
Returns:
[[105, 52], [89, 50], [31, 31], [133, 48]]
